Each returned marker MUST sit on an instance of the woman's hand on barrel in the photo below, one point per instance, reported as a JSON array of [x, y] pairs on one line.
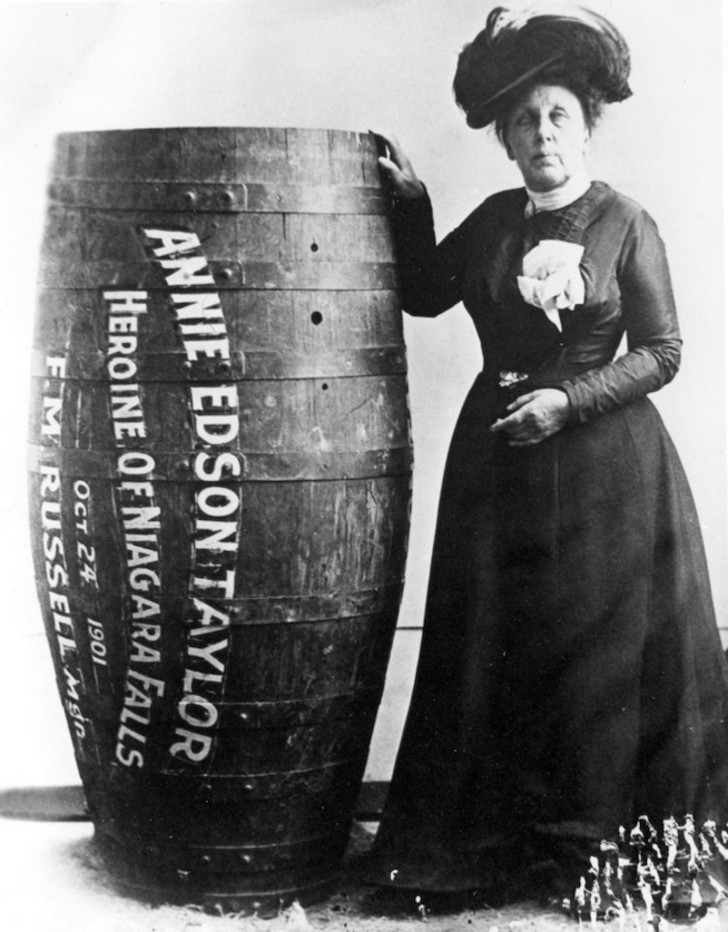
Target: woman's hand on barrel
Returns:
[[533, 417], [399, 169]]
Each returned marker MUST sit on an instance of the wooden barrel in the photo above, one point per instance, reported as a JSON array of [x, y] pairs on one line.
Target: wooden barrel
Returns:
[[220, 483]]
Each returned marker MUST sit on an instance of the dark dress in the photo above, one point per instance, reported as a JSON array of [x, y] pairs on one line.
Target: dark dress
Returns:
[[571, 676]]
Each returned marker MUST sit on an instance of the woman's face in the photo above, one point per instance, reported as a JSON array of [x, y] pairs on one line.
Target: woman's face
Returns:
[[546, 136]]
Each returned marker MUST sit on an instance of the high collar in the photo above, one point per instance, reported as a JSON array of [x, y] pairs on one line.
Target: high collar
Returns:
[[569, 192]]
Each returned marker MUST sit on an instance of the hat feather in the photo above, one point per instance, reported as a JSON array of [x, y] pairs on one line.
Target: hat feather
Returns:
[[516, 47]]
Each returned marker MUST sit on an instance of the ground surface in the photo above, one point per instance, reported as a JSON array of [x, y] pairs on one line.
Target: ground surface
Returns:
[[50, 881]]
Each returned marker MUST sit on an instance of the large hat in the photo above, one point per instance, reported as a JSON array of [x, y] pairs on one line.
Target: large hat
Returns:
[[515, 48]]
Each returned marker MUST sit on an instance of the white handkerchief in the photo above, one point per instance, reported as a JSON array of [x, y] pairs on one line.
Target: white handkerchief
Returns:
[[551, 277]]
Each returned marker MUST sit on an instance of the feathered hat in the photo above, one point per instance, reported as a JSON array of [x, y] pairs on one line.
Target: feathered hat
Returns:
[[515, 48]]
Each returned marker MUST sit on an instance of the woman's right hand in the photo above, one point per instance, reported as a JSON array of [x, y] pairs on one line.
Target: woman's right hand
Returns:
[[398, 167]]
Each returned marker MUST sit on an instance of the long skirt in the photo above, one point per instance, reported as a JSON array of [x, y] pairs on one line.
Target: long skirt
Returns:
[[571, 677]]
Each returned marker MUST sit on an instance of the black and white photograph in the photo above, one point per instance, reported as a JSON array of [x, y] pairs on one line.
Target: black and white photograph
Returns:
[[364, 492]]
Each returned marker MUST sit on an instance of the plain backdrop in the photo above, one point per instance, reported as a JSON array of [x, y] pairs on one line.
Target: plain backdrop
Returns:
[[385, 65]]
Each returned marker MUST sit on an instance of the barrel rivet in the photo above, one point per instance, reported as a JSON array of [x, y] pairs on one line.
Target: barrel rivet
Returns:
[[201, 195]]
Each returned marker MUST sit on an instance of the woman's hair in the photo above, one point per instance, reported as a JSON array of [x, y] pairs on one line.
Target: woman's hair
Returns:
[[583, 52], [592, 100]]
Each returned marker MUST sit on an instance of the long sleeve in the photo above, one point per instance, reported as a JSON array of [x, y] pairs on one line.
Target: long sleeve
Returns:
[[653, 336], [430, 274]]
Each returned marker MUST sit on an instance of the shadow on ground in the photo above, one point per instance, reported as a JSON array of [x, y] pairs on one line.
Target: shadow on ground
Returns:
[[358, 907]]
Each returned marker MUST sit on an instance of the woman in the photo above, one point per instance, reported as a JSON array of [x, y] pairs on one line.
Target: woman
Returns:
[[571, 678]]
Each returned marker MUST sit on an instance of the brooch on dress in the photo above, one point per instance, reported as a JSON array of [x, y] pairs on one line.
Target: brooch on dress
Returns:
[[509, 379]]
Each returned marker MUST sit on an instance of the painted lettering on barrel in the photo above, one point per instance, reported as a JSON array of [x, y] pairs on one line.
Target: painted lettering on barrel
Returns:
[[203, 335], [124, 308], [60, 620], [140, 528], [87, 578], [201, 325], [85, 550], [52, 400], [69, 564], [198, 314]]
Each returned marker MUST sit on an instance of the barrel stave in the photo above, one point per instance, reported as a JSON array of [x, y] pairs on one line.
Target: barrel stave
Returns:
[[219, 154], [220, 677], [285, 334], [250, 250]]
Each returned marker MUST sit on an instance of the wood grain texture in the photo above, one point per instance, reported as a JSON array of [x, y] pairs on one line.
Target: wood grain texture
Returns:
[[220, 464]]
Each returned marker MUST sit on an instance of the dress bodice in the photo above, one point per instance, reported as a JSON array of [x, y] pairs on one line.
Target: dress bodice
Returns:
[[515, 335], [627, 290]]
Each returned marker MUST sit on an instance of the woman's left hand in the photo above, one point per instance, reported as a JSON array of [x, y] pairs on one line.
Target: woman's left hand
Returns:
[[534, 417]]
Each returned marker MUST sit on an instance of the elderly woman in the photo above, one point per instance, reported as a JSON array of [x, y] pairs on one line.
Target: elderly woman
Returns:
[[571, 678]]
